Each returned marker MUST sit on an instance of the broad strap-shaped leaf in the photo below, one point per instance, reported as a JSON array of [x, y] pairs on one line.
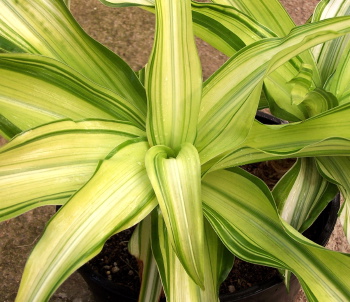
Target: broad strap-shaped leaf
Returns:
[[47, 27], [301, 84], [241, 210], [173, 77], [239, 29], [331, 8], [117, 197], [270, 13], [228, 99], [140, 247], [327, 55], [336, 169], [326, 134], [47, 165], [278, 92], [178, 286], [229, 30], [35, 90], [176, 180], [226, 28], [317, 101], [302, 194], [274, 16], [284, 95], [339, 82]]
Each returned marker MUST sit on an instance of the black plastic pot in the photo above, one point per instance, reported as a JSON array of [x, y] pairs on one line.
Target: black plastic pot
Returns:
[[271, 290]]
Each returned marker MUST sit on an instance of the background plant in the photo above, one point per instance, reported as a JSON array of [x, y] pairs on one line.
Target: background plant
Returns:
[[194, 131]]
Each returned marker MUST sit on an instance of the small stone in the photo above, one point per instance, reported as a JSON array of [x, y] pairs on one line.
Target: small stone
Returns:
[[108, 272], [62, 295], [107, 267], [231, 288], [115, 269], [109, 277], [130, 273]]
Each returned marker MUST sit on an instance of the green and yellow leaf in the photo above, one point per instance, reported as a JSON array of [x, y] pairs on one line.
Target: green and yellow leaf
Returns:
[[178, 286], [270, 13], [140, 247], [327, 55], [302, 194], [336, 170], [47, 165], [254, 232], [176, 180], [173, 77], [35, 90], [229, 99], [47, 27], [117, 197], [326, 134]]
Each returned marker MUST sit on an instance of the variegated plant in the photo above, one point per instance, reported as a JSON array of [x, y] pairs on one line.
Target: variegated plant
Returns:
[[162, 149]]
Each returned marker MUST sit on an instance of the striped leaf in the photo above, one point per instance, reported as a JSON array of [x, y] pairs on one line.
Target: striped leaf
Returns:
[[246, 220], [118, 196], [337, 169], [46, 27], [35, 90], [302, 194], [140, 247], [327, 55], [178, 286], [225, 28], [177, 183], [326, 134], [317, 101], [229, 99], [47, 165], [173, 77], [270, 13], [228, 30], [211, 21], [301, 84], [339, 82]]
